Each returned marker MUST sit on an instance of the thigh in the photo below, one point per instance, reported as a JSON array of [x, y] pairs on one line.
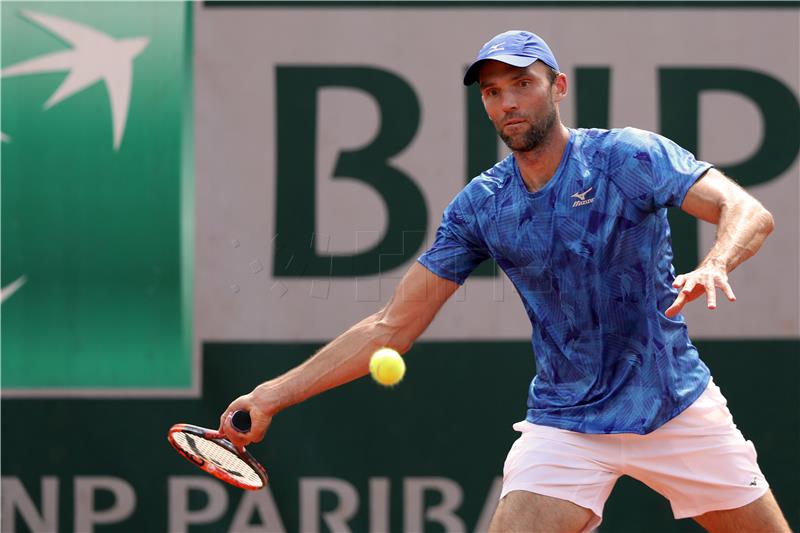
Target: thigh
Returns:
[[762, 515], [535, 513], [563, 466]]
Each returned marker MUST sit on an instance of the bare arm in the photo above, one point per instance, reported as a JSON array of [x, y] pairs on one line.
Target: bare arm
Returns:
[[742, 226], [415, 302]]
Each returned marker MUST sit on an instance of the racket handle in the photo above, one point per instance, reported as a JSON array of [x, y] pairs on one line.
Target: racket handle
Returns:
[[240, 420]]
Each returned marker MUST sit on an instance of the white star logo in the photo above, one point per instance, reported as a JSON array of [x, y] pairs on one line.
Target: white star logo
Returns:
[[11, 288], [94, 57]]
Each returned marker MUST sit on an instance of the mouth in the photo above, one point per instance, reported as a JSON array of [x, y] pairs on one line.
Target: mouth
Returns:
[[513, 123]]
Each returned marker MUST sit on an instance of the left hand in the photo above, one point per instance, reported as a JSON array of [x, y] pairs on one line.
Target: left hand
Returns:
[[704, 279]]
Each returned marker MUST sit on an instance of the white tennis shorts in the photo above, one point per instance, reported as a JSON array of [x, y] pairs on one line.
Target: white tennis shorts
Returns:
[[699, 461]]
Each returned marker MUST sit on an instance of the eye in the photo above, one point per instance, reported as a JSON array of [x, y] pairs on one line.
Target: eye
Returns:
[[524, 83], [491, 91]]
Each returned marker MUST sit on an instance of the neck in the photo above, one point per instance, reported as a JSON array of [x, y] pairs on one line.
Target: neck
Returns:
[[537, 166]]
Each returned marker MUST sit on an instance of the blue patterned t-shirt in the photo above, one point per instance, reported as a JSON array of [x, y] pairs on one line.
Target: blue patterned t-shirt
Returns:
[[591, 258]]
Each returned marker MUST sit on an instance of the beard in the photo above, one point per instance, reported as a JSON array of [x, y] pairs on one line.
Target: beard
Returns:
[[536, 134]]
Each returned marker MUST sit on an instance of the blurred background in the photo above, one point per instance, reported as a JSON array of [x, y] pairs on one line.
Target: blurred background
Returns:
[[197, 196]]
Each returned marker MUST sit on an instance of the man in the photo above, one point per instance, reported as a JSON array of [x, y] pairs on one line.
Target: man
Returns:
[[577, 220]]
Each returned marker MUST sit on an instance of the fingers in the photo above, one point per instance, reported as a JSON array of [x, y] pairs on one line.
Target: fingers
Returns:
[[711, 293], [260, 421], [726, 288], [676, 306], [673, 309], [226, 427], [239, 440], [687, 289], [683, 295], [694, 284], [721, 281]]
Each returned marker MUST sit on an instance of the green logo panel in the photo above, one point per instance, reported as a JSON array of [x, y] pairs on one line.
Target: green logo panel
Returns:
[[95, 234], [350, 459]]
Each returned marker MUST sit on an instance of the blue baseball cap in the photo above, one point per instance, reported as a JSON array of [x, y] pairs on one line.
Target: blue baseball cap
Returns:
[[516, 48]]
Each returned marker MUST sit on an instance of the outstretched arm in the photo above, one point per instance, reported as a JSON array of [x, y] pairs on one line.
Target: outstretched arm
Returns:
[[415, 302], [742, 225]]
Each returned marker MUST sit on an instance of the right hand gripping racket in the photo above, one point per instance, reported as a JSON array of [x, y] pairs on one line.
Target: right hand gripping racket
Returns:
[[214, 453]]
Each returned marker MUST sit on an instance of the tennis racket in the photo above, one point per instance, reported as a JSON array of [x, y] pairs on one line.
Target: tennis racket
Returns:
[[213, 452]]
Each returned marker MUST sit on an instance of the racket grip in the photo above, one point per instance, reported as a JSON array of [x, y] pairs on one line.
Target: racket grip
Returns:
[[240, 420]]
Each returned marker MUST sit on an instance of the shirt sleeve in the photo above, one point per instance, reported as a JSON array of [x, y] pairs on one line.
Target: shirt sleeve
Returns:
[[654, 171], [458, 248]]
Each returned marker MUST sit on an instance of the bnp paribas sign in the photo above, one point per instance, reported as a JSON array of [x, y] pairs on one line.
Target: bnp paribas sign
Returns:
[[94, 251], [334, 137]]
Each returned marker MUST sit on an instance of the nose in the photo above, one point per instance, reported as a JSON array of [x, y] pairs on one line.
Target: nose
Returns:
[[508, 102]]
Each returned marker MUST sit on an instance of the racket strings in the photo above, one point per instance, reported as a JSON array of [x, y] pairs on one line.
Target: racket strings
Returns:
[[222, 458]]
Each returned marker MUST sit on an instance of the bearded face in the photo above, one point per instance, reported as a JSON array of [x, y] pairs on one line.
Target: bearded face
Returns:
[[529, 134], [520, 102]]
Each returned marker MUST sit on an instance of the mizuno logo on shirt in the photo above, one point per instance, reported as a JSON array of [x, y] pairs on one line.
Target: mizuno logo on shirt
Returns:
[[581, 198]]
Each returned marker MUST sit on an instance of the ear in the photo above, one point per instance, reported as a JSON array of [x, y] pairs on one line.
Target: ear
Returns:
[[560, 87]]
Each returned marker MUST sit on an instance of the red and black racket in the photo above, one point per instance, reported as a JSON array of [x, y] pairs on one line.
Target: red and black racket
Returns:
[[213, 452]]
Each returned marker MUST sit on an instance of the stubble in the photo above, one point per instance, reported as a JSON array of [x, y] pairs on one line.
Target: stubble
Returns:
[[534, 136]]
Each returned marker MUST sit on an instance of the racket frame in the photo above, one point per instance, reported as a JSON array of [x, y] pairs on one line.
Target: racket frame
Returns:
[[219, 439]]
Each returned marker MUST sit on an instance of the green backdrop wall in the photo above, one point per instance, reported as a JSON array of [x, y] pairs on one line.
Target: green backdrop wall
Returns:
[[450, 418]]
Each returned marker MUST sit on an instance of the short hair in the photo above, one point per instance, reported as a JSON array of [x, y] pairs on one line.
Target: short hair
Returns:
[[552, 73]]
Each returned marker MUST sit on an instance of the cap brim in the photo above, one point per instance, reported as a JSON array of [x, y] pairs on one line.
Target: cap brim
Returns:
[[471, 76]]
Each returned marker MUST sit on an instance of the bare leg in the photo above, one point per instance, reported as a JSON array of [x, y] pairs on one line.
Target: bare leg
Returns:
[[534, 513], [760, 516]]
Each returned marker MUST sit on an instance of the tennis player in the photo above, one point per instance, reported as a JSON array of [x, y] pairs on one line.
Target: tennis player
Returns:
[[577, 219]]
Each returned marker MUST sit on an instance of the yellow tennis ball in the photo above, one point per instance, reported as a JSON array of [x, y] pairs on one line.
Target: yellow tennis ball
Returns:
[[387, 367]]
